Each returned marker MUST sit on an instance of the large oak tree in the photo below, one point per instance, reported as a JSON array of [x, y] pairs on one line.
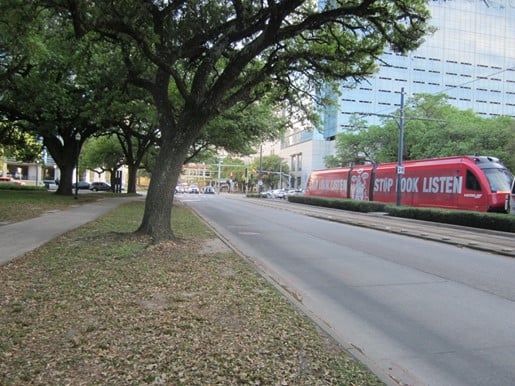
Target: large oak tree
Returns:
[[198, 58], [53, 85]]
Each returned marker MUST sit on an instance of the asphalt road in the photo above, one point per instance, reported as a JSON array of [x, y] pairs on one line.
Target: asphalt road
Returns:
[[416, 311]]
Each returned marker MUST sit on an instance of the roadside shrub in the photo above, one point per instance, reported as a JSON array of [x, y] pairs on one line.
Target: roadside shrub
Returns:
[[493, 221], [256, 195], [11, 186], [339, 203]]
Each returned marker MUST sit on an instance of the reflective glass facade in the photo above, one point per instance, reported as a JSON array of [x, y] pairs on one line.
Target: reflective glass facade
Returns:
[[471, 58]]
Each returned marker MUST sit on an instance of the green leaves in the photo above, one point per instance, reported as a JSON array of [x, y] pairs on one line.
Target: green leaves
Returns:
[[240, 129], [104, 153], [18, 144], [433, 128]]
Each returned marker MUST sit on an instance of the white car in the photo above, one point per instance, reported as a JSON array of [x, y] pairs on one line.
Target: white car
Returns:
[[295, 192], [193, 189], [279, 193], [51, 185]]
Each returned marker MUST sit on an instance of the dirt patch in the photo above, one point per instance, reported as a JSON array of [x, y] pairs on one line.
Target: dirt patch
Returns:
[[213, 246]]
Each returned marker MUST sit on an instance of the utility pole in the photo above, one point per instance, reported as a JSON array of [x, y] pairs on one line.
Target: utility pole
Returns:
[[220, 162], [260, 175], [280, 174], [400, 153]]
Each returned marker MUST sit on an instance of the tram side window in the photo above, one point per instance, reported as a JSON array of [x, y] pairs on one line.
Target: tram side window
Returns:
[[472, 182]]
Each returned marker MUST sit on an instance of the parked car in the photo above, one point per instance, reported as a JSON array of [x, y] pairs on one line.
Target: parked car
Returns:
[[209, 190], [267, 194], [100, 186], [193, 189], [278, 193], [82, 185], [50, 184], [11, 180], [295, 192]]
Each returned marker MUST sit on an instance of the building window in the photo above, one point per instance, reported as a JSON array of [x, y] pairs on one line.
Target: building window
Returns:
[[296, 162]]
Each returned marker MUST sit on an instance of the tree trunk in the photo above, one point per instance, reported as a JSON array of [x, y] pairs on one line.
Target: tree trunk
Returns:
[[65, 155], [177, 137], [112, 178], [158, 204], [65, 187], [131, 181]]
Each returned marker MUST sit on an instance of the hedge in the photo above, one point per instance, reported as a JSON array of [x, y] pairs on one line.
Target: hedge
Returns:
[[13, 186], [493, 221]]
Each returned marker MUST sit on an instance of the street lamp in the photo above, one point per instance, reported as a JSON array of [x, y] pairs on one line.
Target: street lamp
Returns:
[[220, 162], [37, 172], [77, 144]]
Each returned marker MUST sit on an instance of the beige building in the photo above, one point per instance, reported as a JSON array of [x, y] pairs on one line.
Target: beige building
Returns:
[[303, 151]]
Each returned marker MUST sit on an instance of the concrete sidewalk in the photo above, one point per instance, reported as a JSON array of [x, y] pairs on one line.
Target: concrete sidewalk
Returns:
[[21, 237]]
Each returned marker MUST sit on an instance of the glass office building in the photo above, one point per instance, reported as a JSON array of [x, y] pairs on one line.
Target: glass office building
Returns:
[[471, 58]]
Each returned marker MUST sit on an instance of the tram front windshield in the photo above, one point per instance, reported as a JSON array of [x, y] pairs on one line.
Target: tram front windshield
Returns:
[[499, 179]]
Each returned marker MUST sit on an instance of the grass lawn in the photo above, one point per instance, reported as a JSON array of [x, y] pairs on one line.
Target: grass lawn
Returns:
[[101, 306], [19, 205]]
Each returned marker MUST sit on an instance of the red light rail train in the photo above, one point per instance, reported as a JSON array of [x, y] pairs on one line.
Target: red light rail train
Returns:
[[477, 183]]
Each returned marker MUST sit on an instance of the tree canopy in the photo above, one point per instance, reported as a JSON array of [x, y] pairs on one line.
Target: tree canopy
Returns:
[[271, 170], [18, 144], [433, 128], [240, 129], [55, 86]]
